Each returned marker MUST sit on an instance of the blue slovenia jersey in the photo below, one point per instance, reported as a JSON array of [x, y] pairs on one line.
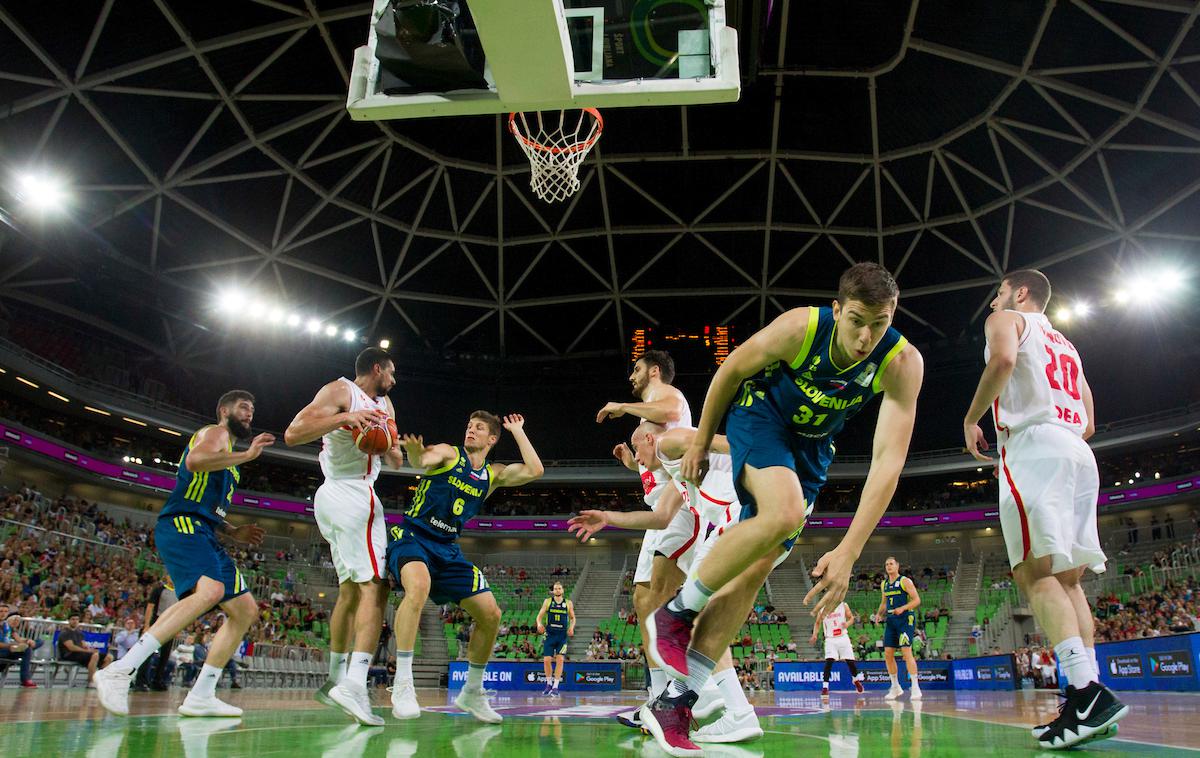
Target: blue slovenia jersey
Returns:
[[448, 497], [205, 494]]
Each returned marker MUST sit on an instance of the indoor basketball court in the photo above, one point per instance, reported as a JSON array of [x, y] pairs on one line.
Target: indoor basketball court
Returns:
[[511, 204]]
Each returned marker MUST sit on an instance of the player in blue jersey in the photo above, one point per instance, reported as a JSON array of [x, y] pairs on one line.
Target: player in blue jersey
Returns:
[[556, 620], [897, 603], [204, 574], [423, 556], [788, 390]]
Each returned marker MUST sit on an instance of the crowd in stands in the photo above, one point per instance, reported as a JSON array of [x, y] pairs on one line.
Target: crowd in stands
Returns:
[[68, 558], [1174, 609]]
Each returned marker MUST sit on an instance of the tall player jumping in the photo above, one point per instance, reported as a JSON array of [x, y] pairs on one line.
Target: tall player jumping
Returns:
[[205, 576], [788, 391], [556, 620], [834, 626], [898, 599], [1043, 411], [351, 520], [423, 556]]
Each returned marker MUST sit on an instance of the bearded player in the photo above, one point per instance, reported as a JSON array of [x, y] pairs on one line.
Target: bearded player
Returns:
[[350, 518]]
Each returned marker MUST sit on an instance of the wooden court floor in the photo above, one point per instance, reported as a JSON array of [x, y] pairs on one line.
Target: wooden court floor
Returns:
[[288, 723]]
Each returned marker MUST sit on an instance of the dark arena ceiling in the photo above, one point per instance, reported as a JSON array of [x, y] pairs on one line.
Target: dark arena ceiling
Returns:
[[209, 148]]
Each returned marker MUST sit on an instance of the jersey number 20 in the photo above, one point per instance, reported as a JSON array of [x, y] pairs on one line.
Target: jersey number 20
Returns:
[[1061, 363]]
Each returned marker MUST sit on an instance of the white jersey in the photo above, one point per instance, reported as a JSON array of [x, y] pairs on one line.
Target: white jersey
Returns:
[[653, 482], [1045, 386], [835, 622], [715, 495], [340, 457]]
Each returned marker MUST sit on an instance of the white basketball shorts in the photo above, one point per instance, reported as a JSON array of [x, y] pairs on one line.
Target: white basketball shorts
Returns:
[[645, 562], [682, 536], [350, 518], [839, 648], [1049, 486]]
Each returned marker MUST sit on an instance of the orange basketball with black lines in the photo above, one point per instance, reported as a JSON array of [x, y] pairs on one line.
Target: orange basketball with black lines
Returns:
[[373, 440]]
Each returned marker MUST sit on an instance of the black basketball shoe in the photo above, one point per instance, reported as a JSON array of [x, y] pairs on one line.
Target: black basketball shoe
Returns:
[[1085, 715]]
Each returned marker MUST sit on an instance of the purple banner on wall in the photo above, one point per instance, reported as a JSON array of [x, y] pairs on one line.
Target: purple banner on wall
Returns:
[[164, 482]]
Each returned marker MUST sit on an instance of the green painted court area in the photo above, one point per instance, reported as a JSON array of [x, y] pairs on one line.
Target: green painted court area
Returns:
[[552, 731]]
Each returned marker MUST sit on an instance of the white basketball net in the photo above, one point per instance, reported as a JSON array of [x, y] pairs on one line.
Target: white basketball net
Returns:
[[556, 146]]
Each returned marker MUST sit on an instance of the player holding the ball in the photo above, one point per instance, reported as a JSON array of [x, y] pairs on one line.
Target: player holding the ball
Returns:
[[357, 426]]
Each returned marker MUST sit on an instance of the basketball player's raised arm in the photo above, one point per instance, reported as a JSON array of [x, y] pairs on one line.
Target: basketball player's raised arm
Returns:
[[664, 409], [587, 523], [427, 457], [1003, 332], [780, 340], [540, 621], [675, 442], [211, 450], [914, 599], [326, 412], [901, 385], [530, 467]]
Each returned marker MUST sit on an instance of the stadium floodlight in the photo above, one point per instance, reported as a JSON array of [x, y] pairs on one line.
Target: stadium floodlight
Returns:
[[385, 344], [313, 326], [348, 335], [1082, 308], [1063, 315], [229, 301], [1121, 296], [275, 316], [331, 331], [42, 192], [257, 309], [293, 319]]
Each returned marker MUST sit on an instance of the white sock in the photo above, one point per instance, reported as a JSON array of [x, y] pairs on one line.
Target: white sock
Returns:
[[895, 682], [404, 659], [1075, 662], [731, 691], [138, 654], [554, 682], [693, 597], [1095, 665], [206, 683], [356, 671], [658, 682], [912, 679], [475, 675], [337, 666]]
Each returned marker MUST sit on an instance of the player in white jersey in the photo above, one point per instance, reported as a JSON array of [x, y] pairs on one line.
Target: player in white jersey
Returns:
[[834, 626], [713, 505], [1043, 411], [351, 520], [661, 404]]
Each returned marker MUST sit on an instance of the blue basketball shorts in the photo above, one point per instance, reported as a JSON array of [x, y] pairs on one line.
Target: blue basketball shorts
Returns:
[[189, 549]]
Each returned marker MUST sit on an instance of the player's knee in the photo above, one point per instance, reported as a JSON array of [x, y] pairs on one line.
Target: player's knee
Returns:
[[491, 616], [210, 592]]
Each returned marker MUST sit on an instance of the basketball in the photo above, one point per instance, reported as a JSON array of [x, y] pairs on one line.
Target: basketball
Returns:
[[373, 440]]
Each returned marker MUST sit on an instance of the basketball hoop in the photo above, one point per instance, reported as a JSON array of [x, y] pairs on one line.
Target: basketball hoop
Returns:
[[555, 148]]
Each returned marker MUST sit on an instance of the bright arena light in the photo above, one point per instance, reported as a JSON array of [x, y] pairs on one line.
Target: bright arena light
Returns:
[[1082, 308], [1121, 296], [293, 319], [331, 331], [385, 344], [313, 326], [41, 192], [348, 335], [229, 301], [257, 309], [1063, 314], [275, 316]]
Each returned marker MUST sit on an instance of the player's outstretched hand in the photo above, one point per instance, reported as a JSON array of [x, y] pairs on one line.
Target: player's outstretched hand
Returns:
[[975, 442], [623, 454], [587, 523], [258, 443], [414, 448], [833, 568], [514, 421], [610, 410], [694, 464], [249, 533]]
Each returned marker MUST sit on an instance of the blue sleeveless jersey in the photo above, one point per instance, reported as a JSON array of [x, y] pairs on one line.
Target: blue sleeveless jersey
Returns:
[[894, 593], [447, 498], [812, 394], [205, 494], [556, 616]]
